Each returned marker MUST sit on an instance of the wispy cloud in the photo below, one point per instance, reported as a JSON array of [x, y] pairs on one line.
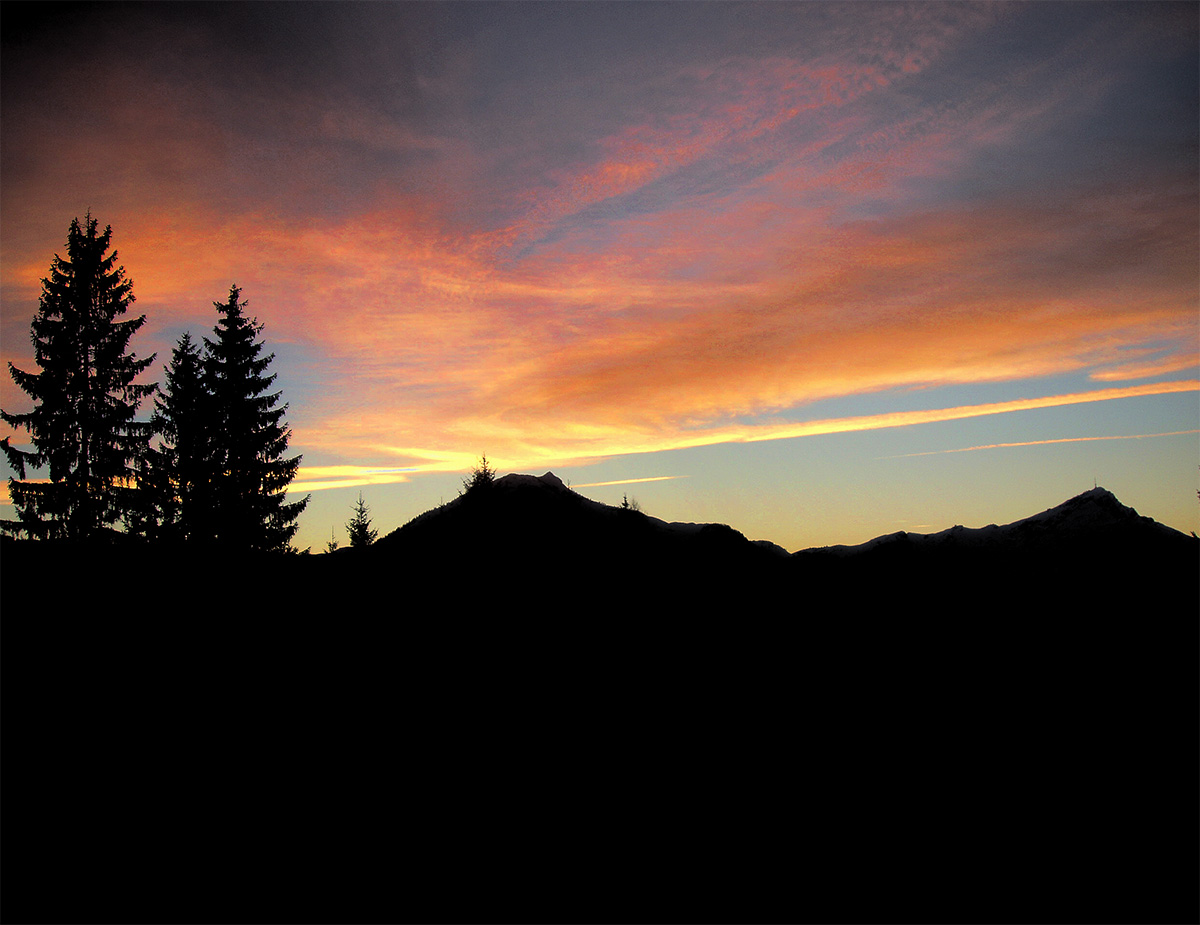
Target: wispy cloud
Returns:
[[320, 478], [935, 415], [655, 478], [999, 446], [577, 443], [1163, 366]]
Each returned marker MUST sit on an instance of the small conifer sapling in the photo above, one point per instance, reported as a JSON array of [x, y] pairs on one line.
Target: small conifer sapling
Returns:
[[359, 526], [482, 477]]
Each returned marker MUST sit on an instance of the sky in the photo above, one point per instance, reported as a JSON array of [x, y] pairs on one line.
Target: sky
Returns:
[[820, 271]]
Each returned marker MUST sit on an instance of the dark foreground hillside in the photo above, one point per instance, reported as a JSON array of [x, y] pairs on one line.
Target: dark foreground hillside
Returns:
[[528, 706]]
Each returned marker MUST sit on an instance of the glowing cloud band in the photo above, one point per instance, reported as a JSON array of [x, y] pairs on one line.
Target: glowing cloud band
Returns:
[[931, 416]]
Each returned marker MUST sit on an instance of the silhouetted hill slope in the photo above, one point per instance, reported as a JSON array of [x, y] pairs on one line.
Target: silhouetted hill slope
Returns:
[[1088, 552], [525, 705], [1090, 518], [536, 536], [539, 516]]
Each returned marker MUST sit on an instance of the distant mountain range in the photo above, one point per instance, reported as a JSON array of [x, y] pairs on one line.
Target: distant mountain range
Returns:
[[535, 532], [539, 507], [1084, 518]]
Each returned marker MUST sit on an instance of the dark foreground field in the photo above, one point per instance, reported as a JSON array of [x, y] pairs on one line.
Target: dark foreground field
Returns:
[[497, 715]]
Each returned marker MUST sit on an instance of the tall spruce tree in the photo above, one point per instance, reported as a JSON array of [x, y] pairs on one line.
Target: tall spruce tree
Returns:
[[251, 474], [82, 426], [176, 481], [359, 526]]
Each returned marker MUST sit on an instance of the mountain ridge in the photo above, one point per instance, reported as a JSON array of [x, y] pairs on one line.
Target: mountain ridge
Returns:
[[550, 484], [534, 537], [1091, 510], [528, 509], [1095, 509]]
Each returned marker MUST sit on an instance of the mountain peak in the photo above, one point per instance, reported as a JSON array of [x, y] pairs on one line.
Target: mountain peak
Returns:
[[549, 480], [1093, 508], [1086, 517], [1097, 495]]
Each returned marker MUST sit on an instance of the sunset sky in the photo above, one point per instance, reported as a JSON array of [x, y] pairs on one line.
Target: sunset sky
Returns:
[[820, 271]]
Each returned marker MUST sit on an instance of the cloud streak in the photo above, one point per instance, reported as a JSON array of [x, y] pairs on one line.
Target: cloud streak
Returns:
[[1001, 446], [579, 444], [655, 478], [322, 478]]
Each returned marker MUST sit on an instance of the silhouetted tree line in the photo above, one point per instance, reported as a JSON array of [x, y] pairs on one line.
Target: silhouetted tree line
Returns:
[[218, 470]]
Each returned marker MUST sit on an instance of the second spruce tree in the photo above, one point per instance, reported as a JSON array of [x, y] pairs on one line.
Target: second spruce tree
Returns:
[[251, 439]]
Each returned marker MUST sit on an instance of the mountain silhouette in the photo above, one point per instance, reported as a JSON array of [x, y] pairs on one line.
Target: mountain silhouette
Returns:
[[537, 535], [1090, 517], [1089, 553], [539, 517], [534, 536], [528, 705]]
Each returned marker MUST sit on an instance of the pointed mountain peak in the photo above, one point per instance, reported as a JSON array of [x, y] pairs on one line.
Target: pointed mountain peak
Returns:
[[1095, 507], [1099, 494], [1094, 513], [551, 480]]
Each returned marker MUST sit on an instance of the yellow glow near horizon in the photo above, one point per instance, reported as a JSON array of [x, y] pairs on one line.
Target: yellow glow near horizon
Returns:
[[319, 478]]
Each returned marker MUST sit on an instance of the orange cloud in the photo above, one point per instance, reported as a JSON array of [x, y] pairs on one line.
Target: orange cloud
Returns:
[[573, 353], [1162, 366]]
